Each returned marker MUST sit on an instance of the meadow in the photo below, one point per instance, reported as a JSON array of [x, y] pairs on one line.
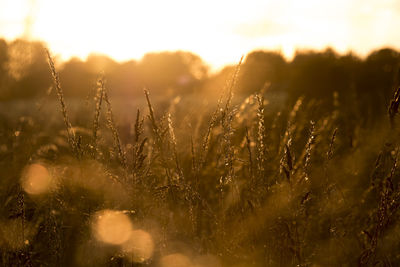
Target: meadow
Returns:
[[199, 179]]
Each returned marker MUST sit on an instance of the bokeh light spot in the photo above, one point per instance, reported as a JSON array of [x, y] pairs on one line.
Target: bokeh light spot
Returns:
[[36, 179], [112, 227], [175, 260], [139, 247]]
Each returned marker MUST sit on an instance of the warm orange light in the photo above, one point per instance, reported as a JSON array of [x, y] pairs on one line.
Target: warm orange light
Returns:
[[175, 260], [112, 227], [36, 179], [139, 247], [219, 31]]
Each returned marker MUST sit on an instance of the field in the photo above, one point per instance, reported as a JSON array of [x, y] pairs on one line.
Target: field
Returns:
[[192, 180]]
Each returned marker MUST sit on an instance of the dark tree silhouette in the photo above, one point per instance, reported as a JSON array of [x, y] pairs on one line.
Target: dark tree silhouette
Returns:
[[376, 81], [76, 78], [262, 67], [27, 69]]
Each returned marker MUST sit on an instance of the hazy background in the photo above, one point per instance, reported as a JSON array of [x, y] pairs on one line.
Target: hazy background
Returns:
[[218, 31], [289, 158], [342, 49]]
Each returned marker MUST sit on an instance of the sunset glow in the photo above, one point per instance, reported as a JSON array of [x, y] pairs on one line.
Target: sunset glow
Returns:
[[200, 133], [220, 32]]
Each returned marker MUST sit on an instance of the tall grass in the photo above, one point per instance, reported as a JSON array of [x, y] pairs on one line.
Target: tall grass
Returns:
[[246, 187]]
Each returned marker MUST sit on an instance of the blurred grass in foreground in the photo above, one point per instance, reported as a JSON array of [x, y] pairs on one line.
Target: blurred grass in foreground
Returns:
[[230, 182]]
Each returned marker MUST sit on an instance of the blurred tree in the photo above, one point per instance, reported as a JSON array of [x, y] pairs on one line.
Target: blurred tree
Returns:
[[125, 79], [79, 77], [364, 86], [378, 76], [3, 68], [262, 67], [76, 78], [314, 74], [97, 63], [345, 72], [216, 82], [169, 72], [27, 68], [3, 57]]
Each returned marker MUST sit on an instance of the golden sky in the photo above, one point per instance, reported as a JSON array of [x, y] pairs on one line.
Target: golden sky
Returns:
[[220, 31]]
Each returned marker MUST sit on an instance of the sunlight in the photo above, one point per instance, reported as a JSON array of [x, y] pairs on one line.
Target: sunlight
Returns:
[[199, 133], [128, 29], [220, 32]]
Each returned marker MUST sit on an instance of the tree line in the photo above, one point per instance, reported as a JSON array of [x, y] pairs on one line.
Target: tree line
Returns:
[[366, 84]]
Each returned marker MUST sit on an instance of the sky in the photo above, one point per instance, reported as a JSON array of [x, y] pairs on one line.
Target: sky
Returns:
[[218, 31]]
